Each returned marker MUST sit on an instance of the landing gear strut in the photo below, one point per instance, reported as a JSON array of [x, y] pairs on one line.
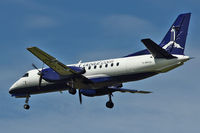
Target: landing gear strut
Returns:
[[26, 106], [110, 104], [71, 89]]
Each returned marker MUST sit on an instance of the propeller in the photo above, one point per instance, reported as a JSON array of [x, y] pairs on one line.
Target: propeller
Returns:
[[35, 67], [80, 96], [39, 73]]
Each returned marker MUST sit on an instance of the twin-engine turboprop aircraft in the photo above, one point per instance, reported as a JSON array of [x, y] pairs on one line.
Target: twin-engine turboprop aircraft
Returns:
[[105, 76]]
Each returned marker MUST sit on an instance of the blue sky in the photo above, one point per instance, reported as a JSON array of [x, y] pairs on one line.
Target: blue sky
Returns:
[[89, 30]]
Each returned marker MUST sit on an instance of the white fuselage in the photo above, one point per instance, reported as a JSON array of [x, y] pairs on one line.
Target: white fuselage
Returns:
[[108, 69]]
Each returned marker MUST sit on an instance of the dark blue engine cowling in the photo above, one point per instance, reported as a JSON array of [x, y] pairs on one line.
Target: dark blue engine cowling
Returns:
[[93, 92], [79, 70], [50, 75]]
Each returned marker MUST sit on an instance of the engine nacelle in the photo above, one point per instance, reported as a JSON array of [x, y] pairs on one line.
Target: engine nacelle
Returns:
[[50, 75], [78, 70], [93, 92]]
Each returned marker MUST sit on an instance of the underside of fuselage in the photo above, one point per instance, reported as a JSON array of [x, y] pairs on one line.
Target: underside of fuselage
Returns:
[[61, 86]]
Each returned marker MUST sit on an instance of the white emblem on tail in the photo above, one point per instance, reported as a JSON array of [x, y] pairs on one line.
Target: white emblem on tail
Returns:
[[173, 40]]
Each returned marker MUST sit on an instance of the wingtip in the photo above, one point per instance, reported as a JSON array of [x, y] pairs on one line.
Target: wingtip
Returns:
[[145, 92], [32, 47]]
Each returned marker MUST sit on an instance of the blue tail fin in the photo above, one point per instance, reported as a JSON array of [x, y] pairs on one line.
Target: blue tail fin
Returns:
[[174, 40]]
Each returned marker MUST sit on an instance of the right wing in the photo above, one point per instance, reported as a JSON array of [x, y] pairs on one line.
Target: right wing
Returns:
[[52, 62], [56, 65]]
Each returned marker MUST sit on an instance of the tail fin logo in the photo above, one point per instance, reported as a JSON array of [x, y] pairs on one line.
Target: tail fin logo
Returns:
[[172, 43]]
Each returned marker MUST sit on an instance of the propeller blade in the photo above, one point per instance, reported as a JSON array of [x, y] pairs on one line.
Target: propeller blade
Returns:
[[41, 75], [42, 65], [40, 80], [80, 96], [35, 67], [39, 72]]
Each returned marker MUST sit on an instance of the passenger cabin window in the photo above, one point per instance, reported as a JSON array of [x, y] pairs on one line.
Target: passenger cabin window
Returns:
[[95, 67], [89, 67], [25, 75], [117, 64], [112, 65], [106, 65], [100, 66]]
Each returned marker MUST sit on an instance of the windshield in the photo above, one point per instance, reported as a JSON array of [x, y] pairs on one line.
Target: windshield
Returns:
[[25, 75]]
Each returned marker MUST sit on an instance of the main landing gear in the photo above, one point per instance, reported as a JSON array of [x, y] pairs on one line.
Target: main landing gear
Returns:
[[26, 106], [71, 89], [110, 104]]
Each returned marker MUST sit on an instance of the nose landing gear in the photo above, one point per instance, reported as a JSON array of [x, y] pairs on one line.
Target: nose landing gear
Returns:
[[110, 104], [26, 105]]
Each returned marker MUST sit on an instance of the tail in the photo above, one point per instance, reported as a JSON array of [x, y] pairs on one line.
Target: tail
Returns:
[[174, 40]]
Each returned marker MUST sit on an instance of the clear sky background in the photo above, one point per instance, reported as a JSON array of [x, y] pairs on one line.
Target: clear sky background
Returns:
[[89, 30]]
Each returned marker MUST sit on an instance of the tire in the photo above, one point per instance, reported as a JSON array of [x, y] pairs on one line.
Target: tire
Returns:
[[26, 106], [110, 104]]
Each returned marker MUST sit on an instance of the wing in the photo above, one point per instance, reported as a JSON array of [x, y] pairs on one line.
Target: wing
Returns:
[[52, 62], [56, 65], [130, 90]]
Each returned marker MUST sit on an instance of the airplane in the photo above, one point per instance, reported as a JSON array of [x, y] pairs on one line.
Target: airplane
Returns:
[[104, 77]]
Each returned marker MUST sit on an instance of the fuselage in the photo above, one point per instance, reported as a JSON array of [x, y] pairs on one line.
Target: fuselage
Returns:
[[103, 73]]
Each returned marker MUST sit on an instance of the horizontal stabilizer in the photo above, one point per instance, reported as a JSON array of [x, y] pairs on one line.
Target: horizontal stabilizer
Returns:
[[156, 50]]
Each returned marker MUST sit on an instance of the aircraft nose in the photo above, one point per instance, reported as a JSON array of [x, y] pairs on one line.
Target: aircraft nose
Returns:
[[12, 88], [18, 88]]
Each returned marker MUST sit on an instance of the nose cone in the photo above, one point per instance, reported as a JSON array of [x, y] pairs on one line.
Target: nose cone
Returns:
[[17, 88], [13, 88]]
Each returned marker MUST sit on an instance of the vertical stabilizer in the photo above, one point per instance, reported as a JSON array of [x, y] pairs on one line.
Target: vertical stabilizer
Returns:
[[174, 40]]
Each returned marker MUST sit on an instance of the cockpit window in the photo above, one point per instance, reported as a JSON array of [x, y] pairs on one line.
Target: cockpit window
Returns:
[[25, 75]]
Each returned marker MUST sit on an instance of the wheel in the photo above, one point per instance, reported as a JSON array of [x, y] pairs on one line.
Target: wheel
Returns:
[[72, 91], [110, 104], [26, 106]]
